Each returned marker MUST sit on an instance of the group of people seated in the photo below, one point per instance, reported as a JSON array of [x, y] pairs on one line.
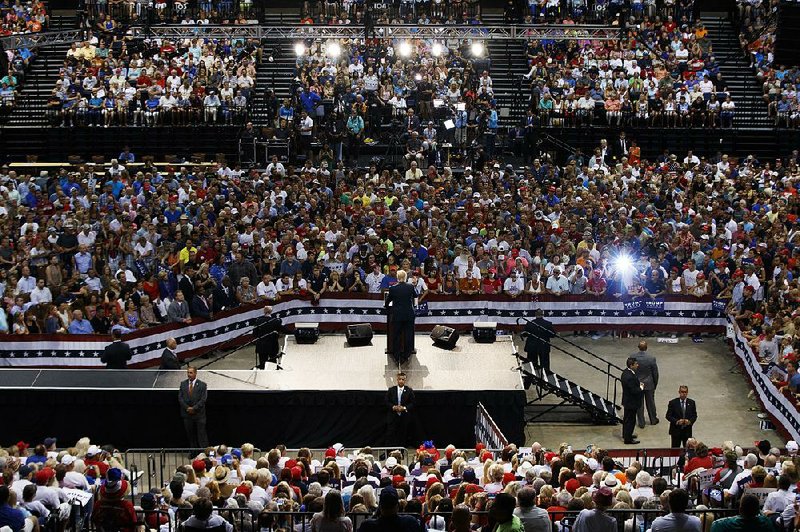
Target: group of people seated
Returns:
[[22, 16], [780, 83], [595, 11], [349, 93], [119, 82], [664, 75], [460, 490], [186, 12], [422, 12]]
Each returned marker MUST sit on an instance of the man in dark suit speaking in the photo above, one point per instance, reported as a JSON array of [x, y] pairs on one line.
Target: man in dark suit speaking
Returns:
[[401, 297], [400, 400], [632, 393], [681, 414], [192, 399], [116, 354], [538, 334]]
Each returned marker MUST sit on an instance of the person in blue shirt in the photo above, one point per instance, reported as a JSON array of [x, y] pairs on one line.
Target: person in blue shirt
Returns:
[[151, 109], [310, 100], [10, 517], [79, 324], [95, 108]]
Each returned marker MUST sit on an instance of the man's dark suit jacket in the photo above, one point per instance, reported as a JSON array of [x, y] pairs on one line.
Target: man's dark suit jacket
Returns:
[[116, 355], [197, 399], [631, 392], [407, 400], [674, 414], [402, 297], [169, 360]]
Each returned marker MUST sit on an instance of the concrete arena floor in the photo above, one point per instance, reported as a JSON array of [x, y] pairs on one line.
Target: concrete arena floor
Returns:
[[707, 368]]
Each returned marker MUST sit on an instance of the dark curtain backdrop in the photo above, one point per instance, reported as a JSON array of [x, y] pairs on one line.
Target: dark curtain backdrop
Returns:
[[150, 418]]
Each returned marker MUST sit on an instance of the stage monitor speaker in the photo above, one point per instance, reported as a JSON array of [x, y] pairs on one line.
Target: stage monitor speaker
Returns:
[[444, 337], [359, 334], [484, 332], [306, 333]]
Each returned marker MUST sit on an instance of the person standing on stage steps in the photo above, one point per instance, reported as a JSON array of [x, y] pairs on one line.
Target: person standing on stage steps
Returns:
[[632, 392], [401, 297], [192, 398], [538, 334], [169, 357], [681, 414], [116, 354], [400, 400], [647, 373]]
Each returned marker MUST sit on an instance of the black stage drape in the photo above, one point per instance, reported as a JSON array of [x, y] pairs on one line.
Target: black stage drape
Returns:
[[150, 418]]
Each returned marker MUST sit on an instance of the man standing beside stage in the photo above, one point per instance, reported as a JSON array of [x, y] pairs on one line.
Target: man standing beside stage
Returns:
[[401, 297], [400, 399], [116, 354], [266, 332], [647, 373], [538, 334], [632, 392], [169, 357], [681, 414], [192, 399]]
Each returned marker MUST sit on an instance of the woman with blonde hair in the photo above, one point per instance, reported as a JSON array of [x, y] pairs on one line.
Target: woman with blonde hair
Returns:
[[368, 494]]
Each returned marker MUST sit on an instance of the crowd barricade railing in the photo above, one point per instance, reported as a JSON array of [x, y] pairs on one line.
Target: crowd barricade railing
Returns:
[[271, 521]]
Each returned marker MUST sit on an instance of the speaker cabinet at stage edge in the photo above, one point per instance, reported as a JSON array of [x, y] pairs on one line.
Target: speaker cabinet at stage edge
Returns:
[[306, 333], [444, 337], [359, 334], [484, 332]]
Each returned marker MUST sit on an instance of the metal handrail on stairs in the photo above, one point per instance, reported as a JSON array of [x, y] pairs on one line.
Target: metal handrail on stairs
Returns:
[[613, 382]]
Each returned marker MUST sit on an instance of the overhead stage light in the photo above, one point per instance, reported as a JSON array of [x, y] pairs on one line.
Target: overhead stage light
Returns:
[[300, 49], [437, 49], [404, 49], [334, 50], [477, 49]]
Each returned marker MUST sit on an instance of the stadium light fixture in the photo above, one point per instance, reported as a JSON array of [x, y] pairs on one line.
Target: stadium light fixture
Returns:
[[477, 49], [300, 49], [404, 49], [334, 50], [437, 49]]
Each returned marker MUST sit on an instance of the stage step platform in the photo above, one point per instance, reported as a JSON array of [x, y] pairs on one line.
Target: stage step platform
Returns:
[[571, 394]]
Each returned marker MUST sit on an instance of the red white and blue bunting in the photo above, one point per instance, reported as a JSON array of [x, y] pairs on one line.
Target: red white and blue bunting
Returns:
[[335, 311]]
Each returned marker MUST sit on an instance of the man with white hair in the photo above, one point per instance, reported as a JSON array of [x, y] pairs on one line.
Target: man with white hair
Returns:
[[400, 298], [743, 479], [644, 486]]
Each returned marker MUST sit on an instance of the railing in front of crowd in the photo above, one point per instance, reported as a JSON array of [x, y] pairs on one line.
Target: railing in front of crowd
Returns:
[[154, 468], [281, 519]]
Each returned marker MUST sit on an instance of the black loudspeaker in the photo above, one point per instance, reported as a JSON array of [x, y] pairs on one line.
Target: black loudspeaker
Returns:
[[484, 332], [306, 333], [444, 337], [359, 334]]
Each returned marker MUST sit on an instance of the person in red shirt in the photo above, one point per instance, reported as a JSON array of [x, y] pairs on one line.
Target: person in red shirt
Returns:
[[702, 458], [596, 285], [94, 458], [113, 511], [491, 284]]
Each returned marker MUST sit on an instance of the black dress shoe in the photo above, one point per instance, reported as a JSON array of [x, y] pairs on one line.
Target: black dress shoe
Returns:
[[631, 442], [655, 422], [634, 435], [641, 426]]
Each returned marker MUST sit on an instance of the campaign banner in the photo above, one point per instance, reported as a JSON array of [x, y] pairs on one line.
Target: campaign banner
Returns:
[[654, 305], [633, 306], [720, 304]]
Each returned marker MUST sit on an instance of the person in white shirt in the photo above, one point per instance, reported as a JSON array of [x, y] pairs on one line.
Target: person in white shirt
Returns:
[[41, 294], [513, 285], [266, 289], [26, 283], [73, 478], [374, 279], [557, 284]]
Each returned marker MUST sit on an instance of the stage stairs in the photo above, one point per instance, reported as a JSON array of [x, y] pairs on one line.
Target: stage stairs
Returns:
[[572, 395]]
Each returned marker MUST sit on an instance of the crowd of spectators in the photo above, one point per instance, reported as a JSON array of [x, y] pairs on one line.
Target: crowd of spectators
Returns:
[[514, 489], [391, 12], [89, 249], [616, 12], [662, 74], [758, 21], [107, 81], [188, 12], [348, 93], [29, 16]]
